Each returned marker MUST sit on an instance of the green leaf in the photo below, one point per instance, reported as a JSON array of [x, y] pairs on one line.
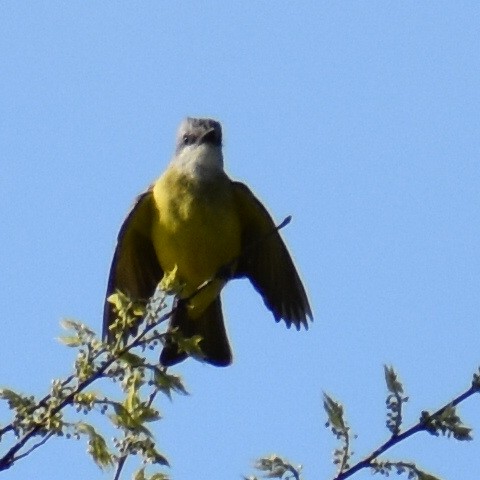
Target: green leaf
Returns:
[[395, 401], [97, 446], [139, 309], [447, 422], [334, 412], [391, 379], [159, 476], [122, 303], [461, 432], [124, 419], [79, 327], [276, 467], [16, 401], [134, 382], [139, 474], [166, 382], [426, 476], [70, 324], [11, 396], [386, 467], [85, 428], [148, 414], [189, 345], [70, 341], [476, 381], [158, 458], [132, 360], [118, 300]]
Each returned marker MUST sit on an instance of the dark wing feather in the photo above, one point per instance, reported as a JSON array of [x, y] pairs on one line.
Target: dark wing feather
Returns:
[[135, 269], [266, 262]]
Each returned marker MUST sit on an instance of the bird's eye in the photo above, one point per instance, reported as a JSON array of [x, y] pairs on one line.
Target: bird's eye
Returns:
[[187, 139]]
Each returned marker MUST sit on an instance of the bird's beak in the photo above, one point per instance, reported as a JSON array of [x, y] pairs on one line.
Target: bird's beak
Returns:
[[208, 136]]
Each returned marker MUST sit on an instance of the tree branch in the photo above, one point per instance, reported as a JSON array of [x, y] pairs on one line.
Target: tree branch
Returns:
[[395, 439]]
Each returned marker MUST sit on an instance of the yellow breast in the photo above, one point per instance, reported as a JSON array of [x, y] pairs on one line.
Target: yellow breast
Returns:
[[198, 229]]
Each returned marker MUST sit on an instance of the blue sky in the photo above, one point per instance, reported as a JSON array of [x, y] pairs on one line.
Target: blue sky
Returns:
[[360, 119]]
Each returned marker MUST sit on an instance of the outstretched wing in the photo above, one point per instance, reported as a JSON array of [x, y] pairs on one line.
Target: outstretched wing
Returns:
[[135, 269], [266, 262]]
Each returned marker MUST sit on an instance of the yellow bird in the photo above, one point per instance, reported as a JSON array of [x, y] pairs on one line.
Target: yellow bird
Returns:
[[191, 224]]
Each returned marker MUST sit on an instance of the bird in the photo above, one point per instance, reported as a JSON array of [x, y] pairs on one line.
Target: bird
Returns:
[[196, 224]]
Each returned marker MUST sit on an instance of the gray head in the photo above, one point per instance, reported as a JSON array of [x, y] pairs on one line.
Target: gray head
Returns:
[[197, 131]]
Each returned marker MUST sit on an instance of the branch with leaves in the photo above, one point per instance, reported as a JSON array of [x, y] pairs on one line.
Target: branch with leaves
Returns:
[[444, 421], [38, 420], [35, 421]]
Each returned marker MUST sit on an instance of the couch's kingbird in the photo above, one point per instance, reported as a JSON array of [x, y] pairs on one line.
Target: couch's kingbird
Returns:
[[191, 224]]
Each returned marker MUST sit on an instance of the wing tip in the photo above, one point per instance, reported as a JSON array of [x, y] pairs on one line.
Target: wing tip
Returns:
[[299, 316]]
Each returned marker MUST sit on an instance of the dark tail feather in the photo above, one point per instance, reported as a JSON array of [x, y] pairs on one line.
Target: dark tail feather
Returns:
[[209, 326]]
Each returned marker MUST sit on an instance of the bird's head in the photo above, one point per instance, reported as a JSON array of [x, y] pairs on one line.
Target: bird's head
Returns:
[[199, 146]]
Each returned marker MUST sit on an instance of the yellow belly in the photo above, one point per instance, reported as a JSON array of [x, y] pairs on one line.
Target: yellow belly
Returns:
[[197, 233]]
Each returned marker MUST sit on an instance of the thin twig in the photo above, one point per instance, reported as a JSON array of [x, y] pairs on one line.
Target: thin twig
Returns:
[[39, 444], [294, 472], [121, 463]]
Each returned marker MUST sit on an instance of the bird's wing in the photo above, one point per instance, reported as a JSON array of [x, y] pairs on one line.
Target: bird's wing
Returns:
[[266, 262], [135, 269]]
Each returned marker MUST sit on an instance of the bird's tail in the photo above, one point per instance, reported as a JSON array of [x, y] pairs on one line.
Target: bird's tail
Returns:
[[209, 325]]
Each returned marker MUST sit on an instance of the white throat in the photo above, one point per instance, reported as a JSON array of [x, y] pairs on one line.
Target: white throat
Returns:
[[199, 161]]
